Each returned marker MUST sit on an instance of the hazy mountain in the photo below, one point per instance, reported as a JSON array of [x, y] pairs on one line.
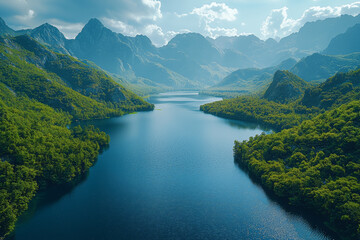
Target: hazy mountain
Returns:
[[316, 36], [318, 67], [129, 57], [191, 61], [251, 79], [345, 43], [312, 37], [4, 29], [285, 87]]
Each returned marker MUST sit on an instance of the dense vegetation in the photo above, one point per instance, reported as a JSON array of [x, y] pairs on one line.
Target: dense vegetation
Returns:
[[337, 90], [41, 92], [285, 87], [266, 113], [37, 148], [63, 82], [314, 161], [315, 165]]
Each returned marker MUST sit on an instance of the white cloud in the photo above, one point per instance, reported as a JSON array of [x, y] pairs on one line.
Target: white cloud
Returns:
[[119, 26], [155, 6], [153, 31], [211, 14], [278, 24], [70, 30], [216, 11], [27, 17], [215, 32]]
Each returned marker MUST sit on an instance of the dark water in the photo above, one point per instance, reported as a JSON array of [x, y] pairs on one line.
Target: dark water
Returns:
[[168, 174]]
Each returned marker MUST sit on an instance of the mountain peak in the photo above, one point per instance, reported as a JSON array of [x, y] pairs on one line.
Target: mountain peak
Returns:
[[46, 27], [93, 29], [94, 22]]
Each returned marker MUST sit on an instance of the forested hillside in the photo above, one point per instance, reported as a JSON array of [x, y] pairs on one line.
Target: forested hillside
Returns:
[[337, 90], [63, 82], [41, 92], [36, 149], [314, 161], [314, 165]]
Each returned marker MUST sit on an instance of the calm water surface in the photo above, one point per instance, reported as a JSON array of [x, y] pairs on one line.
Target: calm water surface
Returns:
[[168, 174]]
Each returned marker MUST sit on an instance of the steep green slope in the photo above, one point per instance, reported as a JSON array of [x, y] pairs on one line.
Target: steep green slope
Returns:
[[36, 149], [285, 87], [337, 90], [63, 82], [314, 165]]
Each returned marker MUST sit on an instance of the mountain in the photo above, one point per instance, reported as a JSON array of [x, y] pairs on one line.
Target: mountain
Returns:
[[193, 45], [345, 43], [285, 87], [51, 37], [312, 37], [129, 57], [61, 81], [259, 51], [318, 67], [316, 36], [337, 90], [251, 80], [193, 56], [4, 29]]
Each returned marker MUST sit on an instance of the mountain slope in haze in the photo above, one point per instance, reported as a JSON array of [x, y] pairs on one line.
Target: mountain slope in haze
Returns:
[[62, 82], [129, 57], [312, 37], [318, 67], [345, 43], [316, 36], [251, 80], [262, 53], [285, 87], [194, 57]]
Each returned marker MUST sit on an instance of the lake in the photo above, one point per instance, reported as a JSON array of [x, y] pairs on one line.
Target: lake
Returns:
[[167, 174]]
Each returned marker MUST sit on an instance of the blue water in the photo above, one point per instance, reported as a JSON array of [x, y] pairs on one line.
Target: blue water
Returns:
[[168, 174]]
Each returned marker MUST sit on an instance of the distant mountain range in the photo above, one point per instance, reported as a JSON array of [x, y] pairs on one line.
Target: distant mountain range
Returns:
[[191, 61], [315, 68]]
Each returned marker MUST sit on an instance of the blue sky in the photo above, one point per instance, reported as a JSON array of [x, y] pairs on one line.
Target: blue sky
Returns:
[[162, 19]]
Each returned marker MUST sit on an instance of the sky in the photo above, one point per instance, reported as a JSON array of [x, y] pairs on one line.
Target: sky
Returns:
[[161, 20]]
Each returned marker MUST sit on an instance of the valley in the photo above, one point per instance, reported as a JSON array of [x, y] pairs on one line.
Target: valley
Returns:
[[108, 136]]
